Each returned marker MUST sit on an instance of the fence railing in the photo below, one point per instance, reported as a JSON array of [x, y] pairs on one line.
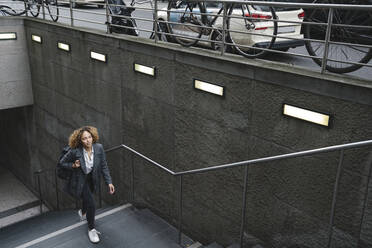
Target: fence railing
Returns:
[[246, 165], [338, 37]]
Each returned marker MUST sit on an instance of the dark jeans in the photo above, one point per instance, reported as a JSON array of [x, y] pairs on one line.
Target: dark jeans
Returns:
[[89, 207]]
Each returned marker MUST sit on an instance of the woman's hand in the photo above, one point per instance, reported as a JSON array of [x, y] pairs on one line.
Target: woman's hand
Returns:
[[76, 164], [111, 188]]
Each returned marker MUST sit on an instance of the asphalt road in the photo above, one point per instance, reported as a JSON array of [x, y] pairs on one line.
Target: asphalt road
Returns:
[[95, 18]]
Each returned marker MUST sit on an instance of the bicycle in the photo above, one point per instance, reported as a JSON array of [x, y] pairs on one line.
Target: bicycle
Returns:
[[50, 5], [160, 27], [7, 10], [122, 21], [350, 43], [193, 21]]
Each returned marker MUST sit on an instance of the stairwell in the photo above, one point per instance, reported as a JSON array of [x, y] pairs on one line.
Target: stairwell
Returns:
[[17, 201], [121, 226]]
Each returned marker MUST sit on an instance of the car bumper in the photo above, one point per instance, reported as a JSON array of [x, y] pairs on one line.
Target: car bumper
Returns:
[[282, 44]]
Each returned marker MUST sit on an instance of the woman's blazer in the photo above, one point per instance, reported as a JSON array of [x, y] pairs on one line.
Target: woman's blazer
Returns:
[[75, 185]]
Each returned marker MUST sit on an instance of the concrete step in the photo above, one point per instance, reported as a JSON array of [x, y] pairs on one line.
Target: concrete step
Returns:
[[15, 216], [124, 226], [17, 201]]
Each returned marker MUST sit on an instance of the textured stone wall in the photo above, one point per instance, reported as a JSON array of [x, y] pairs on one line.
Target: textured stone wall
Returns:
[[15, 80], [288, 202]]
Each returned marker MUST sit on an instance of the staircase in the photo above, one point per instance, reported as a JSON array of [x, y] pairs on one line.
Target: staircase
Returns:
[[122, 226], [17, 202], [23, 225]]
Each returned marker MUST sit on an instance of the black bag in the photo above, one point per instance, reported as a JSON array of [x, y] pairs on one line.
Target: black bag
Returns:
[[63, 173]]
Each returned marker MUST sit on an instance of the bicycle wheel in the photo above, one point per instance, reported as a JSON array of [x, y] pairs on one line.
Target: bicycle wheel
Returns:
[[186, 21], [6, 10], [52, 6], [34, 7], [251, 29], [341, 53], [162, 30]]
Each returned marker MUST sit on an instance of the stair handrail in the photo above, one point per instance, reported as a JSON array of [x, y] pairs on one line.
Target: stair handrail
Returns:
[[246, 163], [251, 161]]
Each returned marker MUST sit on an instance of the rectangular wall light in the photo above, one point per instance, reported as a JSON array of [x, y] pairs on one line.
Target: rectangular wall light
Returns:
[[208, 87], [63, 46], [8, 36], [144, 69], [98, 56], [36, 38], [306, 115]]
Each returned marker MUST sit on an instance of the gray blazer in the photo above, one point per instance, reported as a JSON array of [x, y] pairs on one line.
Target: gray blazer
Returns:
[[75, 185]]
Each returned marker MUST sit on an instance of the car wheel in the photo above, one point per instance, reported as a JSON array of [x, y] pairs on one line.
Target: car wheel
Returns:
[[100, 6]]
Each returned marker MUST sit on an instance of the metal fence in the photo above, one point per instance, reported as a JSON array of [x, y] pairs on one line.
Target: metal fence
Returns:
[[338, 37]]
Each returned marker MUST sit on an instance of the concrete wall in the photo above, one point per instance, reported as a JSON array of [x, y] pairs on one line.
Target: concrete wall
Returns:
[[164, 118], [15, 80]]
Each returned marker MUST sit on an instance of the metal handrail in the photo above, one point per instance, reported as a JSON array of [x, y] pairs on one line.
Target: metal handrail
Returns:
[[39, 172], [320, 58], [246, 164]]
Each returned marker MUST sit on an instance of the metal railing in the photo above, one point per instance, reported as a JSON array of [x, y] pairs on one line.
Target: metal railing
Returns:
[[45, 172], [105, 20], [246, 165]]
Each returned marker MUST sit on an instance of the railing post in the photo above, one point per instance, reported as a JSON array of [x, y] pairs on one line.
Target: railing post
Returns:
[[244, 205], [180, 212], [43, 7], [334, 198], [26, 12], [224, 28], [156, 24], [366, 193], [327, 38], [132, 180], [40, 195], [107, 17], [56, 180], [100, 195], [71, 14]]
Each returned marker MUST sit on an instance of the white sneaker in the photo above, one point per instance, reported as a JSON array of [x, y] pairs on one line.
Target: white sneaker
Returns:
[[93, 236], [82, 217]]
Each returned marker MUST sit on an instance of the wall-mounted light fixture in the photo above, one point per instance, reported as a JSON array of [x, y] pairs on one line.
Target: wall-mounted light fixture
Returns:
[[8, 36], [208, 87], [145, 69], [36, 38], [306, 115], [63, 46], [98, 56]]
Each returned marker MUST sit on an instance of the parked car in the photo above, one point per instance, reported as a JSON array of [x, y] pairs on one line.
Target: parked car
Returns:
[[238, 25]]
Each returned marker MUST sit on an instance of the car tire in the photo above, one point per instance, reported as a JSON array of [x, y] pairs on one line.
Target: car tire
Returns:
[[100, 6]]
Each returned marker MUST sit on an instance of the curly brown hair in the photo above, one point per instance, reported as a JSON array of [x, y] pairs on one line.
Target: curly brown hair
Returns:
[[75, 138]]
